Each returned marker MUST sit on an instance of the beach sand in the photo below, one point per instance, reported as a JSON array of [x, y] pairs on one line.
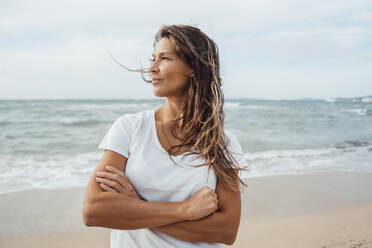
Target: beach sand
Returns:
[[310, 210]]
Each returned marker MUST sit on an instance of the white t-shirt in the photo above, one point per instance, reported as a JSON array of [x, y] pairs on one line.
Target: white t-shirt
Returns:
[[155, 177]]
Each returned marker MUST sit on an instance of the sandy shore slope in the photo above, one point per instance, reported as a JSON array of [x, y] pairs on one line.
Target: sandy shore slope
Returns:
[[312, 210]]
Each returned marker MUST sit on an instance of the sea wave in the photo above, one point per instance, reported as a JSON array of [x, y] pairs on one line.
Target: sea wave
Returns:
[[359, 111], [354, 157], [236, 105], [40, 171], [64, 170]]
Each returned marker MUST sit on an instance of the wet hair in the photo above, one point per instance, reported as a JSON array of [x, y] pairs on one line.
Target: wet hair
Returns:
[[202, 114]]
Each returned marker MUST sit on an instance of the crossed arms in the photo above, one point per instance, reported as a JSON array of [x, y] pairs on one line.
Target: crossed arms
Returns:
[[119, 211]]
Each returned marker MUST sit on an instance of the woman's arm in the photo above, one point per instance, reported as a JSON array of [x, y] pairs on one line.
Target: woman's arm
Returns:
[[127, 211], [221, 226], [118, 211]]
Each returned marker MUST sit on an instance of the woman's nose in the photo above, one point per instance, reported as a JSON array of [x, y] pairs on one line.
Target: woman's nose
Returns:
[[154, 67]]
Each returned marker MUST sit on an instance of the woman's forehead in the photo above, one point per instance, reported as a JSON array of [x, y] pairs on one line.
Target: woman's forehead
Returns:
[[164, 46], [163, 53]]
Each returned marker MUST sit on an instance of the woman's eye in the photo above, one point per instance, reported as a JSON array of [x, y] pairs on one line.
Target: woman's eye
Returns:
[[152, 60]]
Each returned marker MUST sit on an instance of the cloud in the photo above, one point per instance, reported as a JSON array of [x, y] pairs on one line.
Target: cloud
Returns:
[[301, 47], [61, 47]]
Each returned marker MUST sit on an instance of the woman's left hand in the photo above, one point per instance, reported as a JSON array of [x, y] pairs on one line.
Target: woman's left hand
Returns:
[[115, 180]]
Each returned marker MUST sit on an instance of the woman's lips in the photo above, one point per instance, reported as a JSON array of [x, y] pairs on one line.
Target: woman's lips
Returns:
[[156, 81]]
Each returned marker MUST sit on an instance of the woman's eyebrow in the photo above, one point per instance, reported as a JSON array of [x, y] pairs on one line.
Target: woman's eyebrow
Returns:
[[153, 55]]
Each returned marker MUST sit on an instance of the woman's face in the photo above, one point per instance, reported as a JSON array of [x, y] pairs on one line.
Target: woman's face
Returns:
[[173, 73]]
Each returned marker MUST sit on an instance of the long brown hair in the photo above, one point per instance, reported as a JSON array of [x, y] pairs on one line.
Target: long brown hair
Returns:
[[202, 115]]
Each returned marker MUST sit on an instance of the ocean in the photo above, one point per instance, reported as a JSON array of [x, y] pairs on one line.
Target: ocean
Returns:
[[53, 143]]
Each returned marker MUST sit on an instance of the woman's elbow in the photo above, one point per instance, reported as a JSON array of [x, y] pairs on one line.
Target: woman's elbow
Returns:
[[230, 239], [230, 234], [89, 217]]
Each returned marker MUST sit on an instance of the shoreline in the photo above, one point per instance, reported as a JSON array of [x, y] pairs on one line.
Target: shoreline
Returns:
[[285, 209], [247, 178]]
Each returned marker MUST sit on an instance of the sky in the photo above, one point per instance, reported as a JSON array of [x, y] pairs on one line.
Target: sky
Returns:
[[269, 49]]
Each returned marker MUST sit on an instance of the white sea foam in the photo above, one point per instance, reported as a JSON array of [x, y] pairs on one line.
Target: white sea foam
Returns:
[[359, 111], [285, 162], [64, 171], [39, 171], [236, 105]]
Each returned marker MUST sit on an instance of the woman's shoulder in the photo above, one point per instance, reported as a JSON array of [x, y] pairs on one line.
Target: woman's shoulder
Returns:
[[135, 120], [135, 116], [233, 141], [235, 148], [230, 134]]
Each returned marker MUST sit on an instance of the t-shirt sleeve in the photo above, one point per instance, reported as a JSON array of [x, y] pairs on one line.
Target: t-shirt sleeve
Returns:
[[118, 137], [236, 150]]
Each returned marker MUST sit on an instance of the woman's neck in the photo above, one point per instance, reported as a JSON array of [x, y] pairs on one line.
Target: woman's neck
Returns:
[[168, 112]]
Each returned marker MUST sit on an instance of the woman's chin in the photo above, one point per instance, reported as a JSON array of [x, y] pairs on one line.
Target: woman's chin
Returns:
[[158, 92]]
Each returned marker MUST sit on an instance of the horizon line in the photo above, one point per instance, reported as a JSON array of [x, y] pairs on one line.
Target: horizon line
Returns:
[[146, 98]]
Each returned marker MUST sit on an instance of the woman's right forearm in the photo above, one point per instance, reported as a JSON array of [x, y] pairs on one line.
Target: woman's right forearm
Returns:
[[118, 211]]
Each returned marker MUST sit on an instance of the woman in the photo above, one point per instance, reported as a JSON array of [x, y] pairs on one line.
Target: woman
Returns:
[[170, 177]]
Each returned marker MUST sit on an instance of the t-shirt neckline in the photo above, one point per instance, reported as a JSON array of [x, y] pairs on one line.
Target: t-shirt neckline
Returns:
[[155, 135]]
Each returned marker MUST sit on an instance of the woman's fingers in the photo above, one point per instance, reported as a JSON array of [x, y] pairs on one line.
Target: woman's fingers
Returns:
[[117, 180], [113, 184], [107, 188], [112, 177], [114, 170], [121, 176]]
